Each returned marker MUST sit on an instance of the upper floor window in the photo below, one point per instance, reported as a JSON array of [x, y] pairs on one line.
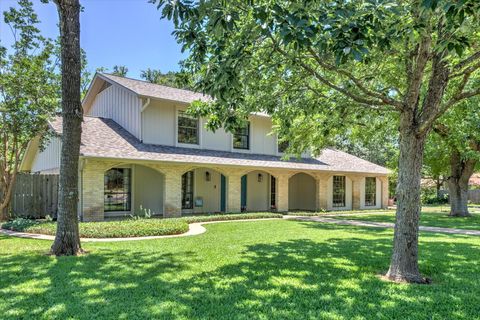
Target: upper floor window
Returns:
[[370, 191], [282, 146], [241, 138], [117, 189], [338, 191], [187, 128]]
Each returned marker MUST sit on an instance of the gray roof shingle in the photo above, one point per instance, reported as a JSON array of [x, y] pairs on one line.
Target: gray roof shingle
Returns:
[[152, 90], [104, 138]]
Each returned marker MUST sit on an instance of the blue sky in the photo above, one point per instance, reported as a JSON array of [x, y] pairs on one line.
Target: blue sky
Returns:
[[114, 32]]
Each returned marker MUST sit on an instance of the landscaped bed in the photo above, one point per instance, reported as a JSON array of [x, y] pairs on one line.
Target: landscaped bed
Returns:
[[130, 227]]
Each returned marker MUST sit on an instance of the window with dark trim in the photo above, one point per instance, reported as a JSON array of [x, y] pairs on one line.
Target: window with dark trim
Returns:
[[187, 128], [338, 191], [273, 193], [241, 138], [117, 190], [187, 190], [282, 146], [370, 191]]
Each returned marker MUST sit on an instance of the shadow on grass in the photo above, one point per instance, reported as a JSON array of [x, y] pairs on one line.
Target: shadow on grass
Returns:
[[294, 279]]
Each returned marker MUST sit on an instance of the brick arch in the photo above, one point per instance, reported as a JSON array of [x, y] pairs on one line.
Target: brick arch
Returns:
[[302, 192]]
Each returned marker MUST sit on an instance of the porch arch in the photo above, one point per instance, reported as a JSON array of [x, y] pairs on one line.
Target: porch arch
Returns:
[[137, 192], [256, 191], [302, 192], [204, 190]]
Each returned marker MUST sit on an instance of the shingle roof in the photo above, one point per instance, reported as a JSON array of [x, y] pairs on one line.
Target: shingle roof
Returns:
[[104, 138], [152, 90]]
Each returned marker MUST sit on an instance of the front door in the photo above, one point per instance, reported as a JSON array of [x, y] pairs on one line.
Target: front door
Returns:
[[223, 193], [243, 202]]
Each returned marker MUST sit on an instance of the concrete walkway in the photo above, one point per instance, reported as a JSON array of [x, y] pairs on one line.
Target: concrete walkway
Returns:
[[359, 223], [198, 228]]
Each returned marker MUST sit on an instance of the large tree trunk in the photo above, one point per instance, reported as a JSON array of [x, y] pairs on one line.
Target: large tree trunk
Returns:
[[461, 171], [404, 262], [67, 240]]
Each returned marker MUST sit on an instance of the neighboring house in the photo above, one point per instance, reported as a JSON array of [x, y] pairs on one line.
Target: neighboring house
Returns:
[[140, 150]]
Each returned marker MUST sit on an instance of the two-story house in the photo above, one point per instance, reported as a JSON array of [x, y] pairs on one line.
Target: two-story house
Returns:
[[140, 150]]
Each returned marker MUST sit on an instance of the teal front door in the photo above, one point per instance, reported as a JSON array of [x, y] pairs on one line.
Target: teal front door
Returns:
[[243, 202], [223, 193]]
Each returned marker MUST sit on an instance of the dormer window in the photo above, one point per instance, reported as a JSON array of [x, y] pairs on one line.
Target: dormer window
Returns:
[[187, 128], [241, 138]]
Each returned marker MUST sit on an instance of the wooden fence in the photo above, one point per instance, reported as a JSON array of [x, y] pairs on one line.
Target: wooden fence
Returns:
[[474, 195], [35, 195]]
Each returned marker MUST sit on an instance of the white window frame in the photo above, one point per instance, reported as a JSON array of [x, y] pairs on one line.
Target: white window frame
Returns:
[[179, 109]]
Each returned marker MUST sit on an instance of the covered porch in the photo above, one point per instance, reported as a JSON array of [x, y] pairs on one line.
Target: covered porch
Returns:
[[115, 189]]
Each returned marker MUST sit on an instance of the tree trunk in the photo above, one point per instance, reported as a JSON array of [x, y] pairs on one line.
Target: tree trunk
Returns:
[[461, 171], [404, 262], [67, 240], [438, 185]]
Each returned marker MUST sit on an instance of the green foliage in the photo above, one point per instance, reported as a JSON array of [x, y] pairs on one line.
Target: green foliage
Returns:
[[232, 216], [321, 67], [120, 71], [241, 270], [20, 224], [429, 196], [110, 229], [172, 79], [28, 90]]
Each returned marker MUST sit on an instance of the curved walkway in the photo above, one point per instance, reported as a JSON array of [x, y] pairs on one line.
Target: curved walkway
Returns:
[[360, 223], [198, 228]]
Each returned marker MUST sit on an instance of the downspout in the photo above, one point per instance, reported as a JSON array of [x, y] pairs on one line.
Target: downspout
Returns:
[[144, 106]]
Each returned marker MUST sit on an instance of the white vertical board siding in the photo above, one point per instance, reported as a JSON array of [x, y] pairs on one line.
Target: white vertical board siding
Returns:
[[218, 140], [120, 105], [48, 160], [261, 141], [158, 123]]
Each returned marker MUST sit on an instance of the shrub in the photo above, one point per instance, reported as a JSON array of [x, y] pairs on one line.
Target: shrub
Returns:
[[19, 224]]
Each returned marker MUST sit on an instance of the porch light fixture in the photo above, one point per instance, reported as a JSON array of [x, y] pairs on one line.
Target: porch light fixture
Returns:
[[207, 176], [260, 177]]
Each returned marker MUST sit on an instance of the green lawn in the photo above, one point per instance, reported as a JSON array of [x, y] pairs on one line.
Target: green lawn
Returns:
[[131, 227], [272, 269], [432, 217]]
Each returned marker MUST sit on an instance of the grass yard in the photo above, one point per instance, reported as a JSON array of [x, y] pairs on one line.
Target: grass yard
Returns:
[[131, 227], [431, 216], [273, 269]]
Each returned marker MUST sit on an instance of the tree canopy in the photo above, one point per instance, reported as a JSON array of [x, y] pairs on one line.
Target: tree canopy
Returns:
[[319, 66], [28, 92]]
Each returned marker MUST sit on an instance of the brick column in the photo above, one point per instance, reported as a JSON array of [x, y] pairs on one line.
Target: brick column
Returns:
[[173, 193], [384, 181], [234, 192], [356, 185], [93, 190], [282, 191], [322, 191]]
